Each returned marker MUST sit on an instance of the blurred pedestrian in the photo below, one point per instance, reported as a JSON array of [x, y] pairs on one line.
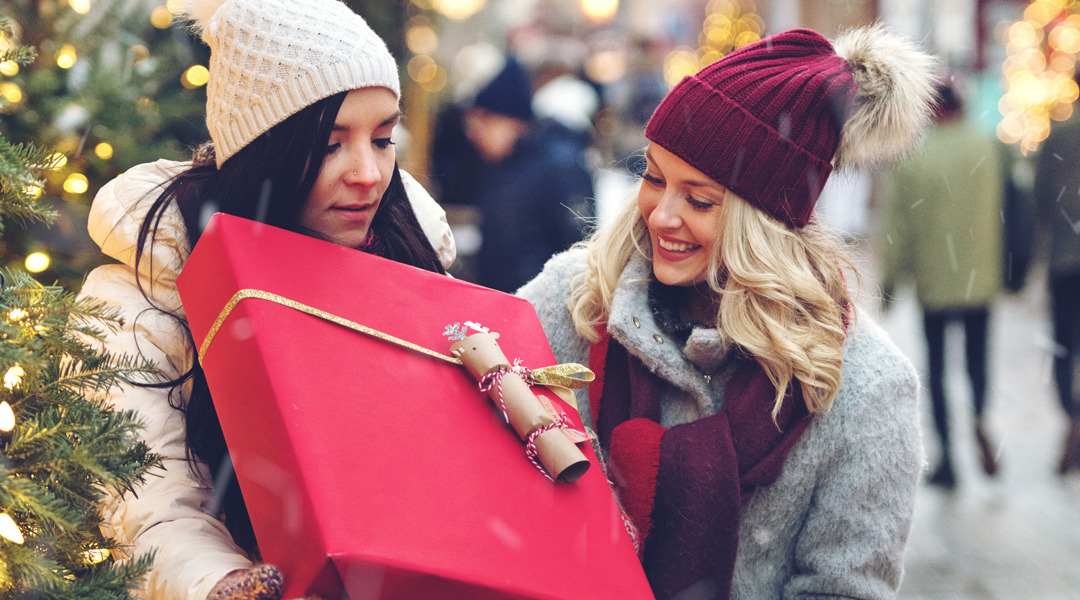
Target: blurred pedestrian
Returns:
[[534, 190], [943, 233], [1057, 196]]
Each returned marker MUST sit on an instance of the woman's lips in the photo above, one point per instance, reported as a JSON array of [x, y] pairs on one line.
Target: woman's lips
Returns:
[[673, 251], [673, 246], [357, 212]]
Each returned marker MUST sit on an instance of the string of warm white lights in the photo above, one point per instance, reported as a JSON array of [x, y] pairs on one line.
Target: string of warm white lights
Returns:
[[76, 183], [1038, 70], [12, 378], [9, 529]]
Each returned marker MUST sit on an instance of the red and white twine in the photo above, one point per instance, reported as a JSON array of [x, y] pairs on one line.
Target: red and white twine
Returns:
[[494, 377]]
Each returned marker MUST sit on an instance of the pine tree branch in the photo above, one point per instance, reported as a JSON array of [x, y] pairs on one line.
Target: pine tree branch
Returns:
[[68, 448], [20, 54], [100, 583], [20, 165]]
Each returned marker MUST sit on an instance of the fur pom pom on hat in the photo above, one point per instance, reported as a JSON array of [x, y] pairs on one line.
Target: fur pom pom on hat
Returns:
[[271, 58], [770, 120]]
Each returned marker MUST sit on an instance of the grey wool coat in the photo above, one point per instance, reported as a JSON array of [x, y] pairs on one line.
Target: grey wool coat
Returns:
[[836, 521]]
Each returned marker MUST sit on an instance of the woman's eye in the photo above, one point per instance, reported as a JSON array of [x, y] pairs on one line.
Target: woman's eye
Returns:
[[699, 204], [384, 143], [332, 148], [652, 179]]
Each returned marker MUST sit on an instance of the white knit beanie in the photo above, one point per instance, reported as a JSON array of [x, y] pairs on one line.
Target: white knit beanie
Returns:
[[271, 58]]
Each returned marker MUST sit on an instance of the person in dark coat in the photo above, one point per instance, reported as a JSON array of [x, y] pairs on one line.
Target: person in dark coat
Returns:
[[533, 191], [1057, 176]]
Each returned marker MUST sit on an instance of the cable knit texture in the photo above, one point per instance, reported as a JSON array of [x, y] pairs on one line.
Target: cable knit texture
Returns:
[[836, 521], [271, 58]]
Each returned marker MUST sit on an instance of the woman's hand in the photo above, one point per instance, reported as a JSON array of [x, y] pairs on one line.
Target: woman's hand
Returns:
[[261, 582]]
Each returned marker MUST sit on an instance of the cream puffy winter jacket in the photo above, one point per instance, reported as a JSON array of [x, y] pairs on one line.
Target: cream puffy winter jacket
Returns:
[[193, 548]]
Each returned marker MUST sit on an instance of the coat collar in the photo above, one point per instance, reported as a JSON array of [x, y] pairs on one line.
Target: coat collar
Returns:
[[633, 325]]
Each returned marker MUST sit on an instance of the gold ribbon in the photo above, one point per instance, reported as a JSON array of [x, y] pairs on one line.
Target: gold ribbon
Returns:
[[559, 378], [322, 314]]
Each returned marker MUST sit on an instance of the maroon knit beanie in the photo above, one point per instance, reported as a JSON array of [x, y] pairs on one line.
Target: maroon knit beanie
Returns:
[[764, 121]]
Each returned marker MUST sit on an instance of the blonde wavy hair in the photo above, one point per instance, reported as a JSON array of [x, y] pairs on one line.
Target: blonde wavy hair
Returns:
[[782, 294]]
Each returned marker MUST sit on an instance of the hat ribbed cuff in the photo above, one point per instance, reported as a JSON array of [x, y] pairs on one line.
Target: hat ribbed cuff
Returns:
[[718, 137]]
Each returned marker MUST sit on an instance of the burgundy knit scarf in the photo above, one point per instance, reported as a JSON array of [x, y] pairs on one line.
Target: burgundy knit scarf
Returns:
[[372, 244], [683, 487]]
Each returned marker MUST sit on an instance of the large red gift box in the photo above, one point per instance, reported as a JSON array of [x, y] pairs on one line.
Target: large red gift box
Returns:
[[372, 470]]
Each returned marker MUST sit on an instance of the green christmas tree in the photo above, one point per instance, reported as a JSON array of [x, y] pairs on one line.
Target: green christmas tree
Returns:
[[116, 83], [109, 89], [61, 450]]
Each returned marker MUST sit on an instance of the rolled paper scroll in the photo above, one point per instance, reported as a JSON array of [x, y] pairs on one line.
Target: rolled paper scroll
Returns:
[[533, 418]]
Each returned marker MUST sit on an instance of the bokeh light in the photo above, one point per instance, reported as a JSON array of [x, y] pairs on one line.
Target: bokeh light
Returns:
[[104, 150], [421, 68], [37, 262], [76, 183], [195, 76], [140, 53], [457, 10], [599, 11], [9, 530], [96, 555], [606, 66], [66, 57], [13, 376], [728, 26], [11, 92], [678, 64], [161, 17], [1039, 72], [422, 39], [7, 417]]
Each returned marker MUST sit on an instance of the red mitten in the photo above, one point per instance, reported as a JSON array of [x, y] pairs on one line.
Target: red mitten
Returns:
[[635, 458], [261, 582]]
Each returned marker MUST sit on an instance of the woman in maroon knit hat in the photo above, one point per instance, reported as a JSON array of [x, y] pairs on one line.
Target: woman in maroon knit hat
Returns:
[[762, 437]]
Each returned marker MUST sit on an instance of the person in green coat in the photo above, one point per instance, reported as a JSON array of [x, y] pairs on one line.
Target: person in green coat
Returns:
[[943, 233]]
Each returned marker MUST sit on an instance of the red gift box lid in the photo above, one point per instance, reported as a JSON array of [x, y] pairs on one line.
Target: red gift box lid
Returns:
[[376, 469]]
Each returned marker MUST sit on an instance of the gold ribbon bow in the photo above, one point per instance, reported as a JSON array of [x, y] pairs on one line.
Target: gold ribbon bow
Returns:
[[560, 378]]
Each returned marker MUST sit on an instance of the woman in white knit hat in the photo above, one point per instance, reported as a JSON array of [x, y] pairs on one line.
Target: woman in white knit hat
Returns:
[[302, 102]]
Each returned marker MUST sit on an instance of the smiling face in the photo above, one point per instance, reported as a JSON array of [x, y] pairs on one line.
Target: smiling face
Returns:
[[357, 168], [681, 206]]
